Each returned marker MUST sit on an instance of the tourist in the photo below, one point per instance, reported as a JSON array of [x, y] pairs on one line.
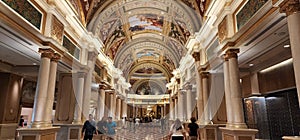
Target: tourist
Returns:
[[193, 129], [89, 128]]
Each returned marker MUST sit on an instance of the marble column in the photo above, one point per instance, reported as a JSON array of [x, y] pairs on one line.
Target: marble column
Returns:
[[172, 110], [118, 109], [88, 84], [235, 90], [292, 10], [40, 100], [205, 94], [189, 98], [124, 109], [111, 107], [51, 88], [175, 108], [227, 92], [78, 97], [102, 102], [180, 105]]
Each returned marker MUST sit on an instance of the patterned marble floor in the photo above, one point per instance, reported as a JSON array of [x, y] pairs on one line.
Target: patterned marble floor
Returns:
[[142, 132]]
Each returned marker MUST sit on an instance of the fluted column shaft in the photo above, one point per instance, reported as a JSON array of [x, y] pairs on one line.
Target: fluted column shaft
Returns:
[[124, 109], [102, 102], [180, 105], [189, 98], [205, 94], [40, 99], [227, 93], [111, 107], [118, 108], [176, 108], [235, 89], [51, 88], [172, 110], [78, 97], [292, 9]]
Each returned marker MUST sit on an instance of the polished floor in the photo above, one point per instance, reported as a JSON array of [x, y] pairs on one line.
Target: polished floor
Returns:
[[144, 131]]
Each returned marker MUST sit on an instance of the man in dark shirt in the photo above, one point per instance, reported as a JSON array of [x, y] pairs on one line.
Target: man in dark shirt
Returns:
[[89, 128], [21, 123], [193, 129]]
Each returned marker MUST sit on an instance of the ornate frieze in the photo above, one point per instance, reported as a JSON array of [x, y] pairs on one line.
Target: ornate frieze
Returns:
[[222, 30], [57, 30]]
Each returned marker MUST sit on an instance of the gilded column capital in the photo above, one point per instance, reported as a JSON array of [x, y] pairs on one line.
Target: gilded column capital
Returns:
[[196, 56], [46, 52], [204, 74], [56, 57], [232, 53], [290, 7]]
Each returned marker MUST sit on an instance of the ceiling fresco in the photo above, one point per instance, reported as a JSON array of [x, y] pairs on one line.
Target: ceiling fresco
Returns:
[[136, 33]]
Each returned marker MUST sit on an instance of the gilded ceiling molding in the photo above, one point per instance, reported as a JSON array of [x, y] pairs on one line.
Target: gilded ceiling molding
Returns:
[[153, 64]]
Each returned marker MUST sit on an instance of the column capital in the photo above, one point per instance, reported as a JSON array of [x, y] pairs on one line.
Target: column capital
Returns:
[[46, 52], [56, 57], [290, 7], [81, 74], [196, 56], [204, 74], [232, 53]]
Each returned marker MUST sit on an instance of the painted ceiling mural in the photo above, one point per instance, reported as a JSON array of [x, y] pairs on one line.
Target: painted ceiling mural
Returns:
[[135, 32]]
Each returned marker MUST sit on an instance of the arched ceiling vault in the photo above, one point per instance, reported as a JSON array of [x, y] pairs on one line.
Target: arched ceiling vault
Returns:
[[152, 32]]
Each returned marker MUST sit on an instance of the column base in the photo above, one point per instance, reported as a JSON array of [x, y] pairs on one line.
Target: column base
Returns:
[[211, 131], [8, 131], [238, 133], [41, 124], [38, 133], [291, 137], [236, 125], [69, 131]]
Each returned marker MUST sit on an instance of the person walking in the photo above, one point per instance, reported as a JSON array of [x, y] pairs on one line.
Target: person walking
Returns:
[[111, 126], [193, 129], [89, 128]]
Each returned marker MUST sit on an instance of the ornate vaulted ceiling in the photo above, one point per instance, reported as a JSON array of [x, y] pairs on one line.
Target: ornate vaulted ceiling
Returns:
[[146, 36]]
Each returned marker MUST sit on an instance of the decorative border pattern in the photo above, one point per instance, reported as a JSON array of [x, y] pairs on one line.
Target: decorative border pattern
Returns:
[[27, 11]]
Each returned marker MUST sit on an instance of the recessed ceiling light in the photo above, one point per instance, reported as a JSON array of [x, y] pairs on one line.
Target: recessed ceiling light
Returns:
[[129, 13], [34, 64], [250, 65], [287, 46]]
